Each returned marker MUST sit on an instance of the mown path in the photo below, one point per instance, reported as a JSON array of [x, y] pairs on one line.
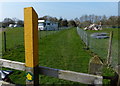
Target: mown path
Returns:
[[63, 50]]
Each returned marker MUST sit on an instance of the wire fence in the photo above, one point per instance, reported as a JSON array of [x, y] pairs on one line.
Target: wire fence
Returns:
[[42, 34], [14, 37], [114, 52], [45, 33], [100, 46]]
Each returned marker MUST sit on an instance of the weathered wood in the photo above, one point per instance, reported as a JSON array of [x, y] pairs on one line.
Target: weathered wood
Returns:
[[109, 56], [57, 73], [48, 71], [72, 76], [80, 77], [12, 64], [95, 66], [31, 46], [3, 83]]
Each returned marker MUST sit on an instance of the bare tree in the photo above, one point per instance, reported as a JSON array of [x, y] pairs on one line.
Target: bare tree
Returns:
[[77, 21]]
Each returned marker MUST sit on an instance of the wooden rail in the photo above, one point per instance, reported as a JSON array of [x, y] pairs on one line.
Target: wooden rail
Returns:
[[71, 76], [109, 57], [12, 64], [3, 83], [57, 73]]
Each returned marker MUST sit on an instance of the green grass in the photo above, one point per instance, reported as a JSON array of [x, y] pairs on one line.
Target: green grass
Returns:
[[57, 49], [62, 50], [14, 37]]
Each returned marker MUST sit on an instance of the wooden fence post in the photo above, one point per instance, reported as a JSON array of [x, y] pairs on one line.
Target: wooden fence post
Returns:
[[31, 46], [5, 41], [109, 56], [95, 66]]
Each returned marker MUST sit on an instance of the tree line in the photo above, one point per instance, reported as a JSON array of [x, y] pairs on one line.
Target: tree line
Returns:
[[86, 20], [82, 21]]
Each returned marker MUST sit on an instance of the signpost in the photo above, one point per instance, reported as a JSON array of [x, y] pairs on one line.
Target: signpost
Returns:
[[31, 46]]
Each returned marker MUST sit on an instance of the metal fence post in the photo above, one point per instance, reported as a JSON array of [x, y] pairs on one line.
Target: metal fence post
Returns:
[[31, 46]]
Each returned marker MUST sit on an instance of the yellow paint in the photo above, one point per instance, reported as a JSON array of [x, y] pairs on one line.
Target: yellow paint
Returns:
[[29, 77], [31, 37]]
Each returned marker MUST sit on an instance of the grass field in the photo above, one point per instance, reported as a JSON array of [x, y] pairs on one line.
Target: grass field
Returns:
[[15, 36], [57, 49], [62, 50]]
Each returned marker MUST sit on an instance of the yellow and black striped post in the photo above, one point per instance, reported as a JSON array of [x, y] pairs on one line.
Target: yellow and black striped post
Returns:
[[31, 46]]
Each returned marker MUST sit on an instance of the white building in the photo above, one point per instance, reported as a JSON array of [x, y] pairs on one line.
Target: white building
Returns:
[[47, 25]]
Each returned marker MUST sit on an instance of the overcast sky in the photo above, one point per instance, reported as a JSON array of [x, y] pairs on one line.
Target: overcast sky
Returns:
[[68, 10]]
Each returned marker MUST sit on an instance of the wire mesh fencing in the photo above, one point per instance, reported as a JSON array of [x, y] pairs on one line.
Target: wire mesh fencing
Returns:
[[46, 33], [114, 50], [12, 38], [99, 45]]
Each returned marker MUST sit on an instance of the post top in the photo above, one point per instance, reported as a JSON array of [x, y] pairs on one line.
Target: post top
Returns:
[[96, 60], [28, 8]]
